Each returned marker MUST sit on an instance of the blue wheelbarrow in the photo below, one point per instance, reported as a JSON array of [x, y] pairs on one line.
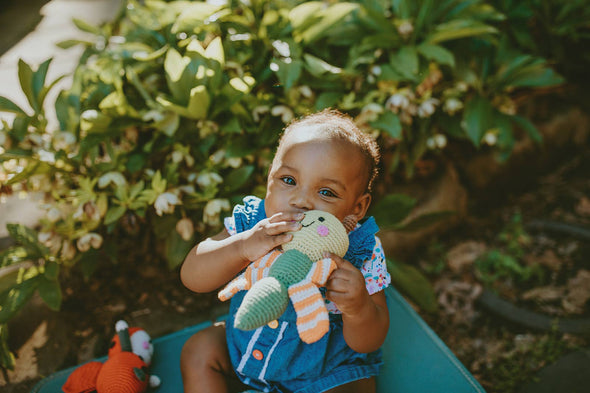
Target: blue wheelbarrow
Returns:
[[415, 358]]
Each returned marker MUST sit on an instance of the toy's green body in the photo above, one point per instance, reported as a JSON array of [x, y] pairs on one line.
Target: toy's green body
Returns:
[[295, 275], [268, 298]]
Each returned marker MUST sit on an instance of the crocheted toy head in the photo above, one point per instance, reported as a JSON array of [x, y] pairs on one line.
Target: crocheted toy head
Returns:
[[125, 370], [294, 274], [141, 344], [320, 231]]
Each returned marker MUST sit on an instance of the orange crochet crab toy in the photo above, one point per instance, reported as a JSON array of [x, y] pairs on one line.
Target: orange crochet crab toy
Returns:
[[125, 370]]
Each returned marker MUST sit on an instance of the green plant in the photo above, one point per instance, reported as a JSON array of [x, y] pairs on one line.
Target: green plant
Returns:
[[505, 264]]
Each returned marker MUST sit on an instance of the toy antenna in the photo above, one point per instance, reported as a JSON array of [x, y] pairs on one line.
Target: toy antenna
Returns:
[[123, 332]]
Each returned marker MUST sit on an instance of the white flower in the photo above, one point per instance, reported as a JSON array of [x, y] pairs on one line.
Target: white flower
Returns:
[[185, 228], [431, 143], [112, 177], [284, 111], [440, 140], [218, 156], [305, 91], [259, 110], [205, 179], [397, 101], [405, 28], [46, 156], [68, 251], [165, 202], [452, 106], [234, 162], [376, 70], [53, 214], [490, 138], [282, 48], [177, 157], [64, 140], [369, 113], [90, 239], [427, 108], [212, 210]]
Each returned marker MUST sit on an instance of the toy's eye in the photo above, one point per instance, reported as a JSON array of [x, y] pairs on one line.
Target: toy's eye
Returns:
[[321, 219]]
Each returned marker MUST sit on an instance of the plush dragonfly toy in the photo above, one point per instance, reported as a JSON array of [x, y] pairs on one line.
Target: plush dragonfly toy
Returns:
[[295, 273]]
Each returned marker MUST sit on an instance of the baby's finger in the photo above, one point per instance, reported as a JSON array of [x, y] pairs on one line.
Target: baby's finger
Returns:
[[286, 216], [341, 263], [279, 240], [276, 228]]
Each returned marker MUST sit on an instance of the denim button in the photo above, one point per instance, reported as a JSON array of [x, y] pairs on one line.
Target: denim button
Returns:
[[273, 324], [257, 354]]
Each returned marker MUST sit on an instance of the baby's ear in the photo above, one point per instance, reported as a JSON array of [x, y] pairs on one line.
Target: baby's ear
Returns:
[[350, 222]]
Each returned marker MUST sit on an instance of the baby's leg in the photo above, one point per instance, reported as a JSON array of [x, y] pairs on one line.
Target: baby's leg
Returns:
[[205, 363], [366, 385]]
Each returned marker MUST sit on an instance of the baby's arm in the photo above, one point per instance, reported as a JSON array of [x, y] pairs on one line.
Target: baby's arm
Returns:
[[365, 317], [216, 260]]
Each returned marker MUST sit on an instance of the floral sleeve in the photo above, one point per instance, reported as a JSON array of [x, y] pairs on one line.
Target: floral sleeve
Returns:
[[375, 270], [230, 225]]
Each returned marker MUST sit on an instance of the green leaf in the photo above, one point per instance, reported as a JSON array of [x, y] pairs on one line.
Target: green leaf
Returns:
[[529, 127], [67, 44], [7, 105], [288, 73], [305, 14], [194, 16], [238, 177], [38, 82], [176, 249], [405, 61], [14, 299], [414, 284], [327, 99], [50, 292], [459, 28], [329, 18], [198, 104], [7, 359], [437, 53], [27, 237], [392, 209], [318, 67], [114, 213], [86, 27], [25, 77], [9, 275], [477, 118], [390, 123]]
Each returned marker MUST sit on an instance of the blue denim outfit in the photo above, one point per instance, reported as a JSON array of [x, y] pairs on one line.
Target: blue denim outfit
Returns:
[[273, 358]]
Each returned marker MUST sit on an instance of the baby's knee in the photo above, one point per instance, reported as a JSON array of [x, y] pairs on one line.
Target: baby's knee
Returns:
[[205, 347]]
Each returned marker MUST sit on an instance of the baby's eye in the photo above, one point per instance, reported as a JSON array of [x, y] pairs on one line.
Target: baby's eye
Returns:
[[288, 180], [328, 193]]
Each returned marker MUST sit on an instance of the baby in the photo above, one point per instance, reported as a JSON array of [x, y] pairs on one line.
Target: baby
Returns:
[[323, 162]]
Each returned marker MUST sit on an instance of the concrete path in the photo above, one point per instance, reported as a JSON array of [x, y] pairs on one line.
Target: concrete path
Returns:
[[34, 48]]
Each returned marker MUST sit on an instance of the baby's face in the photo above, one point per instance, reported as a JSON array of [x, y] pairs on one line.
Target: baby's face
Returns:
[[312, 172]]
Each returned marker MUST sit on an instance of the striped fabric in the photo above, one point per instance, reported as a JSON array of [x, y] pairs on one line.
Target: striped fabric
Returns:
[[254, 272], [312, 316]]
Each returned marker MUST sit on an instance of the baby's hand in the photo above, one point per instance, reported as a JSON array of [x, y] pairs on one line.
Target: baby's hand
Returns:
[[269, 234], [346, 287]]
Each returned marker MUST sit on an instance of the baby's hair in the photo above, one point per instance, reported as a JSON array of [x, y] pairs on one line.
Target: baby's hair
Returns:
[[343, 127]]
